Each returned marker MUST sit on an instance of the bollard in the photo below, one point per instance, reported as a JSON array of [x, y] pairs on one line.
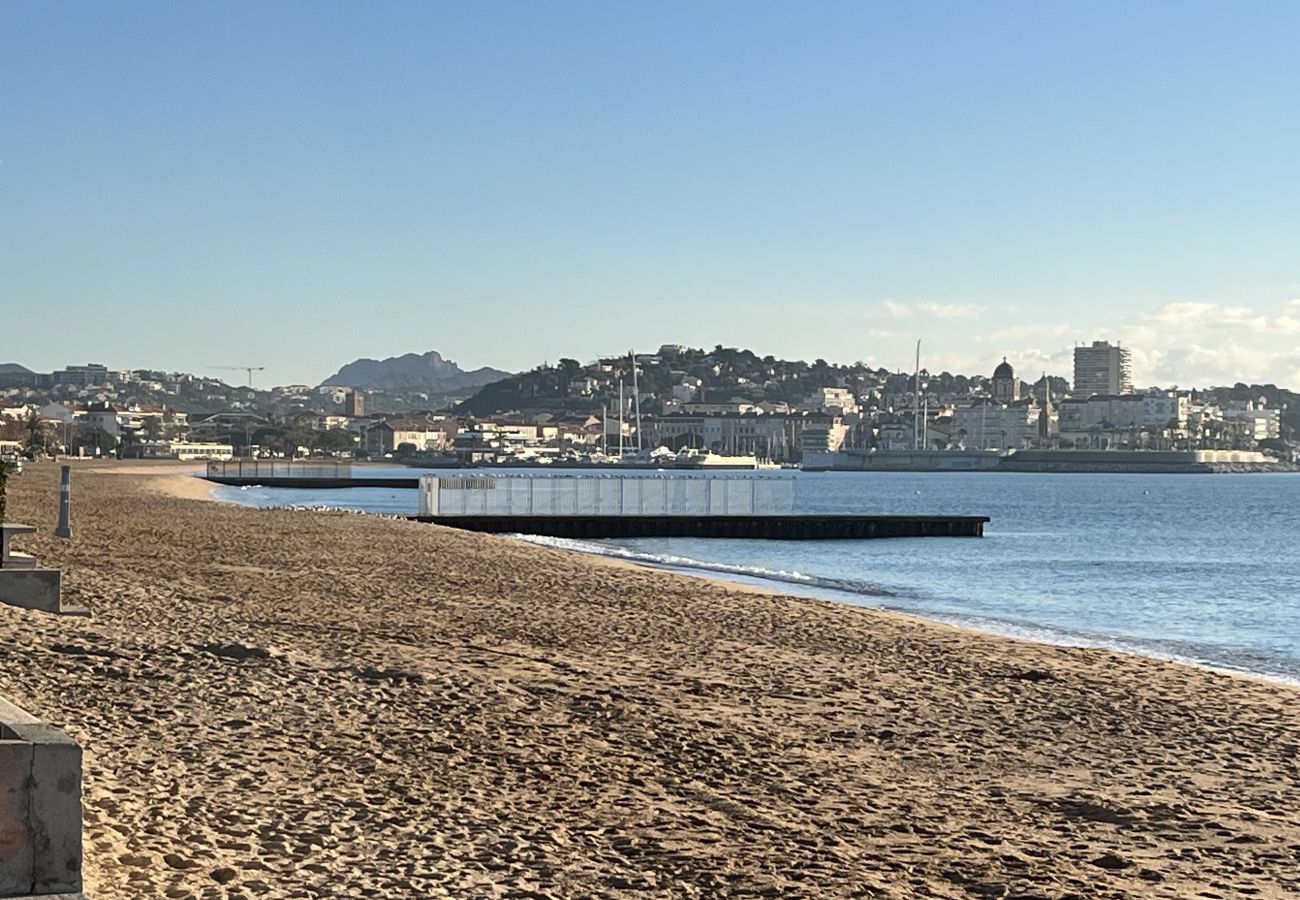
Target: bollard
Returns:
[[65, 505]]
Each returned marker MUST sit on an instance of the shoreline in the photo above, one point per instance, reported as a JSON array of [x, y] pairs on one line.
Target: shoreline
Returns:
[[1029, 632], [300, 702], [1020, 633]]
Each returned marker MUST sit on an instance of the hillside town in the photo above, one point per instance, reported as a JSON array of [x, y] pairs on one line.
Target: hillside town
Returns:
[[678, 400]]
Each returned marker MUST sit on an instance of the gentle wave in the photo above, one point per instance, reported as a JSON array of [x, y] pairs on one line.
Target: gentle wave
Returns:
[[665, 560], [1272, 667], [1269, 667]]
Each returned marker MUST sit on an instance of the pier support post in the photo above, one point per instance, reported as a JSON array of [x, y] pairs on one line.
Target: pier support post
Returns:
[[65, 504]]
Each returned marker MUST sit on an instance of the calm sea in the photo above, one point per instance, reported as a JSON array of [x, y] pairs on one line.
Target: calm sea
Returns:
[[1199, 568]]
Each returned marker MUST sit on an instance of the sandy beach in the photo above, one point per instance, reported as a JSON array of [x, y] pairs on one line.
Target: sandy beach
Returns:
[[292, 704]]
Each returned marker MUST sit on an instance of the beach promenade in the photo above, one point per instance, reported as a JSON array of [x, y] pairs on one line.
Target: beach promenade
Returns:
[[291, 704]]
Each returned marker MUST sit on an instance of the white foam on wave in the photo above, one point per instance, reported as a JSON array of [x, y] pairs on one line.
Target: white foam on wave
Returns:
[[820, 587], [686, 563], [1188, 655]]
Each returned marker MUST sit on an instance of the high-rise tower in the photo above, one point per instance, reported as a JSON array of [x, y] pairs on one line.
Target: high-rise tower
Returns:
[[1101, 369]]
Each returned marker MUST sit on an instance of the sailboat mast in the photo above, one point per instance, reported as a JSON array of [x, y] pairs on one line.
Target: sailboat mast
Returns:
[[636, 400], [916, 403], [620, 418]]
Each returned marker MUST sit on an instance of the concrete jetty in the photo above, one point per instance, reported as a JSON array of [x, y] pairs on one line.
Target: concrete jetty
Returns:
[[749, 506], [781, 528], [617, 505]]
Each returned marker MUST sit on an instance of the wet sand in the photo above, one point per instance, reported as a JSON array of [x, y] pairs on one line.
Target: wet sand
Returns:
[[290, 704]]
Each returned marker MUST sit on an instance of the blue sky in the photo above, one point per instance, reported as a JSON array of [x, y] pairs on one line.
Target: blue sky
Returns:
[[298, 184]]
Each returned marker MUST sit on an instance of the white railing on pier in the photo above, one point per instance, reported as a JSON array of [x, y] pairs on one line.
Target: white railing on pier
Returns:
[[280, 468], [528, 494]]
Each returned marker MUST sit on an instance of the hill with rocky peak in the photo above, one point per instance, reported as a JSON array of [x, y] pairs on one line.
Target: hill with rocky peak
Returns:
[[413, 372]]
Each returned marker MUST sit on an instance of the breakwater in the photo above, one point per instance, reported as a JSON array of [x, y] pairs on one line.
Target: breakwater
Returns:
[[1162, 462]]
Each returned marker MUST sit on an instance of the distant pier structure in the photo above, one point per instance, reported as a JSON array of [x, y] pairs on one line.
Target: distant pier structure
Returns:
[[750, 505], [608, 504]]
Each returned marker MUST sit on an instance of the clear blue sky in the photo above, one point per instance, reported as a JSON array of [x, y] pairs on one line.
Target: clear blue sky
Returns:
[[298, 184]]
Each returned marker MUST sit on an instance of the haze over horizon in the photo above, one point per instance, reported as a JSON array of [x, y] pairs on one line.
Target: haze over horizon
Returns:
[[299, 185]]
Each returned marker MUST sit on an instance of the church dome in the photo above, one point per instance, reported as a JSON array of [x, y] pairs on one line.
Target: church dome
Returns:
[[1004, 370]]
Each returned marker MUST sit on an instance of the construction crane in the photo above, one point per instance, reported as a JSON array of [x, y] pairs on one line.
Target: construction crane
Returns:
[[249, 369]]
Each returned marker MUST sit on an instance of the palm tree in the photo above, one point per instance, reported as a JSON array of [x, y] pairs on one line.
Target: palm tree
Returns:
[[36, 436], [153, 427]]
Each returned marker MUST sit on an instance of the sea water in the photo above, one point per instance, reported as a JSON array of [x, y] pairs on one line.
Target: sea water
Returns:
[[1200, 568]]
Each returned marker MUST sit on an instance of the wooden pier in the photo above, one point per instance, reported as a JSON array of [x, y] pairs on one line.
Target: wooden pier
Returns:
[[776, 528]]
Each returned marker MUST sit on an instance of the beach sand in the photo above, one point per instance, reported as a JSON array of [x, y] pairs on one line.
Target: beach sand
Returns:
[[292, 704]]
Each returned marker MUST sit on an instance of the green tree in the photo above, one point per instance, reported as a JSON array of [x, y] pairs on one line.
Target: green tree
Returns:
[[93, 439], [270, 437], [37, 434], [335, 440]]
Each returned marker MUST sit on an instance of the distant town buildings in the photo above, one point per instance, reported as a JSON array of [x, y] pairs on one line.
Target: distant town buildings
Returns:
[[1253, 421], [835, 401], [1006, 386], [1102, 369], [778, 437], [89, 375], [691, 401], [354, 404]]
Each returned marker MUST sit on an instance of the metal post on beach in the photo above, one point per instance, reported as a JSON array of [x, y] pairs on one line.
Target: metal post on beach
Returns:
[[65, 504]]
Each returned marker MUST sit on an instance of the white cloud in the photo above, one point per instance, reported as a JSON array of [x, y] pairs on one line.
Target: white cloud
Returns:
[[898, 310], [1201, 343], [1189, 343], [1027, 330], [953, 310]]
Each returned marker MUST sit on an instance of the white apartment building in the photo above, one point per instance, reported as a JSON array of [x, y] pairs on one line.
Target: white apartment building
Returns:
[[1166, 409], [835, 401], [993, 426], [1258, 422], [1104, 411]]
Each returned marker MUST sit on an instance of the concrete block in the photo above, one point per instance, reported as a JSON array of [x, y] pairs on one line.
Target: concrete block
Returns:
[[16, 849], [32, 589], [56, 804], [9, 558], [40, 808]]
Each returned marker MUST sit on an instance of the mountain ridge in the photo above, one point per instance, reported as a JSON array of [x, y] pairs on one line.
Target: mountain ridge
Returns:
[[413, 371]]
